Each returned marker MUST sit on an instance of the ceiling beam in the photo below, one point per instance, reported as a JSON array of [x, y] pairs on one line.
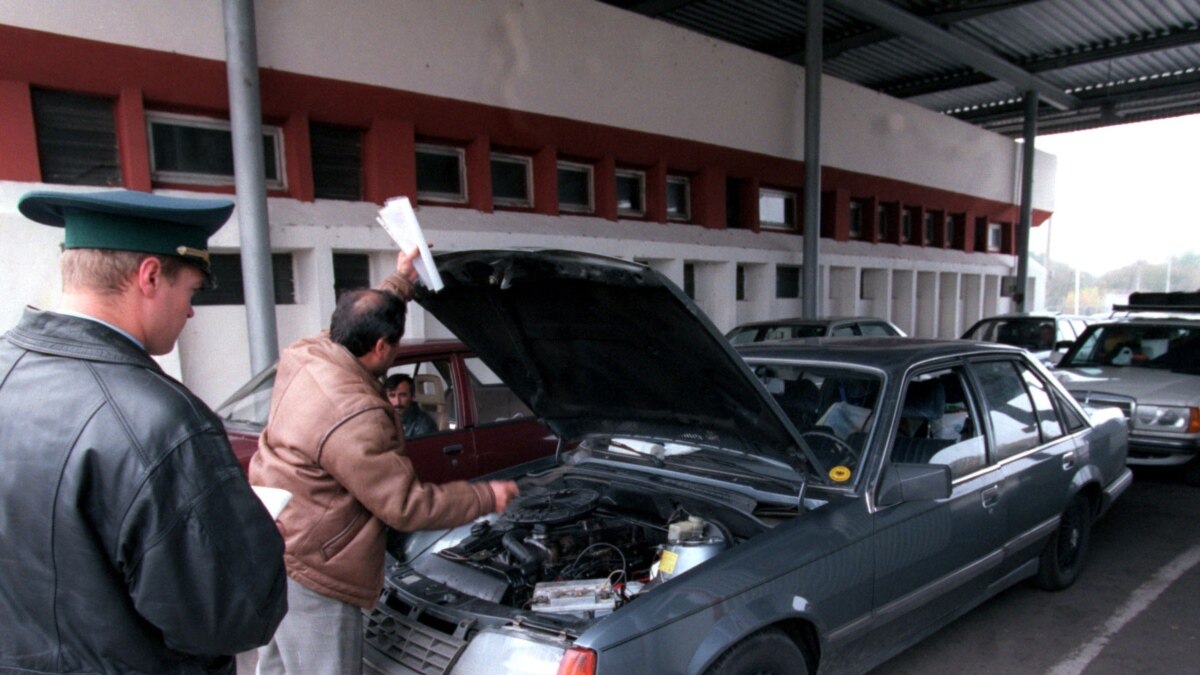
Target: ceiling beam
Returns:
[[911, 26], [1134, 45]]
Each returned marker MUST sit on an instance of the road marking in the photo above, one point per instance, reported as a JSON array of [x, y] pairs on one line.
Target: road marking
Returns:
[[1139, 601]]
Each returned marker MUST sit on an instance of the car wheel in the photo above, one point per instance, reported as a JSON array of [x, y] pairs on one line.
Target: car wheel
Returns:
[[767, 652], [1065, 553]]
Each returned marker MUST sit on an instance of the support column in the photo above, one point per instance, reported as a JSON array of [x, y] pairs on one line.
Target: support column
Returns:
[[1030, 132], [813, 55]]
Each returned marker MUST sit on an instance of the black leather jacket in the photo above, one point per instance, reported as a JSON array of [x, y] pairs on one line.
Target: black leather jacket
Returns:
[[130, 540]]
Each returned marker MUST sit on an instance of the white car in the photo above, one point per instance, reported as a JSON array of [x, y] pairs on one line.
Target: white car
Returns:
[[1149, 367]]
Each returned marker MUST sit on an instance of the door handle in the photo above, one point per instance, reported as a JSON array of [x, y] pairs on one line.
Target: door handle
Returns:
[[990, 497], [1068, 460], [452, 449]]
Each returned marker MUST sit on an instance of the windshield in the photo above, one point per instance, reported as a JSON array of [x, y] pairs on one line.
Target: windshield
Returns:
[[1165, 347], [1032, 334], [833, 408], [250, 404], [740, 336]]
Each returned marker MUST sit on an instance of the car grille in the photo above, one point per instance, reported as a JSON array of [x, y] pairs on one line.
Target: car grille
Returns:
[[1106, 400], [411, 643]]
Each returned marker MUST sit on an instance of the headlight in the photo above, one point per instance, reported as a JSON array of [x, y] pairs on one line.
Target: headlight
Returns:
[[510, 653], [1167, 418]]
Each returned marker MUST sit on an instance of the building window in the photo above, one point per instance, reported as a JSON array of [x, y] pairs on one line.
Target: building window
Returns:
[[575, 188], [952, 230], [908, 220], [856, 219], [741, 283], [927, 227], [199, 150], [350, 271], [733, 203], [679, 198], [689, 280], [512, 176], [776, 209], [882, 225], [76, 138], [631, 192], [227, 268], [336, 161], [440, 173], [995, 236], [787, 282]]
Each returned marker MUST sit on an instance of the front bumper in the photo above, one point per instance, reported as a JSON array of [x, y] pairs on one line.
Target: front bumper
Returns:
[[1158, 450]]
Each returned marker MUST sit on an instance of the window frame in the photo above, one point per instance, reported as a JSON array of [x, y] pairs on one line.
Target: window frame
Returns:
[[511, 158], [639, 210], [210, 123], [996, 229], [590, 172], [686, 215], [445, 150], [788, 197]]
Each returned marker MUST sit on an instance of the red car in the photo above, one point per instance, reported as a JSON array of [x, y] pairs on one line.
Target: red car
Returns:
[[482, 426]]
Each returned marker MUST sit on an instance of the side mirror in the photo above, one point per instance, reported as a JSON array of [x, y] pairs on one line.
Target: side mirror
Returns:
[[1063, 345], [913, 482]]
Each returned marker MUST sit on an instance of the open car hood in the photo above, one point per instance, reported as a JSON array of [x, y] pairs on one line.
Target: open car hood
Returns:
[[598, 345]]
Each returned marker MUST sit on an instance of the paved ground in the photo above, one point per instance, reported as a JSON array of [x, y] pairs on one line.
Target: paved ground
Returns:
[[1134, 609]]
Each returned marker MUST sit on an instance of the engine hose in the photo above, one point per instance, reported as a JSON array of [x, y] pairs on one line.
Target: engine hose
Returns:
[[529, 559]]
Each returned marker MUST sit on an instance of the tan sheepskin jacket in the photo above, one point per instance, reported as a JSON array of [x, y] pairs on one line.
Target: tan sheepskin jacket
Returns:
[[334, 441]]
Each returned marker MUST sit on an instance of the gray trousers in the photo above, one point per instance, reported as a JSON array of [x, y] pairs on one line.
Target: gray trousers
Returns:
[[318, 636]]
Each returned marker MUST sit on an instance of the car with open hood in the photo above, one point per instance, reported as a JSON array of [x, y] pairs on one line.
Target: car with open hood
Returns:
[[1146, 362], [809, 506]]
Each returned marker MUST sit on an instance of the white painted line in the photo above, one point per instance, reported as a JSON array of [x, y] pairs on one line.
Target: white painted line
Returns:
[[1139, 601]]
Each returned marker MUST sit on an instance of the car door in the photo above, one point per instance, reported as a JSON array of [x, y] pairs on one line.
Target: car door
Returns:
[[935, 557], [505, 431], [1031, 444], [450, 453]]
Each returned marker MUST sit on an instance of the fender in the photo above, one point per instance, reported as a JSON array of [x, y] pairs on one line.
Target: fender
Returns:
[[750, 618]]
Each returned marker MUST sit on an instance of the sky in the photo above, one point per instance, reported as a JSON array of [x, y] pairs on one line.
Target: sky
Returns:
[[1123, 193]]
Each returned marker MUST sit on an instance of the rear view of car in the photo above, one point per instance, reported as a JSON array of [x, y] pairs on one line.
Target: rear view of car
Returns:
[[1045, 335], [791, 329]]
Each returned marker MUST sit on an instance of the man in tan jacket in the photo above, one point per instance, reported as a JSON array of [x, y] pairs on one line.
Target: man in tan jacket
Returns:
[[334, 441]]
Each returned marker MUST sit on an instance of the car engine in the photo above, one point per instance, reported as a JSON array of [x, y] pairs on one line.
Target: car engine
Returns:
[[578, 547]]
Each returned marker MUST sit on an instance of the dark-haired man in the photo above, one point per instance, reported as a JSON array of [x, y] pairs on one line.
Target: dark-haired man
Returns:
[[129, 539], [416, 422], [335, 442]]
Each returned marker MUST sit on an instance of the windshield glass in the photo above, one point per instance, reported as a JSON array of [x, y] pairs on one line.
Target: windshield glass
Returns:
[[1032, 334], [1166, 347], [251, 403], [833, 408], [741, 336]]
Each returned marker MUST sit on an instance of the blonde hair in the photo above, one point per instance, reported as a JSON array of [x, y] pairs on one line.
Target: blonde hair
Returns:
[[108, 272]]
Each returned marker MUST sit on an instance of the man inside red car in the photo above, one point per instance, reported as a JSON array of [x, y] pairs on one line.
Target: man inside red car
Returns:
[[416, 422], [333, 441]]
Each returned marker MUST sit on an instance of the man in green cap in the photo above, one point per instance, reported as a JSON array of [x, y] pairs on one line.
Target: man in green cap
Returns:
[[130, 541]]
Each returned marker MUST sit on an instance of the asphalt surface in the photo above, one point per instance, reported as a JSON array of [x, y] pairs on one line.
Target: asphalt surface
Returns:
[[1134, 609]]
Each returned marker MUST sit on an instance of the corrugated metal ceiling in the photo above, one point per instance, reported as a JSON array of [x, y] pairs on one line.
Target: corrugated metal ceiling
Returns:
[[1120, 60]]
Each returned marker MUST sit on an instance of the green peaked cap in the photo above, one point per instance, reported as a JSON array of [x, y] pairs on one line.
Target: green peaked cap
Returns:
[[125, 220]]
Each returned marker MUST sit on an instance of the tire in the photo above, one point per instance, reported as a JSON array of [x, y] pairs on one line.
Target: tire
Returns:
[[767, 652], [1066, 552]]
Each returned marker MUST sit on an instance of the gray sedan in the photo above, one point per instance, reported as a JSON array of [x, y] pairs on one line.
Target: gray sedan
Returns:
[[810, 506]]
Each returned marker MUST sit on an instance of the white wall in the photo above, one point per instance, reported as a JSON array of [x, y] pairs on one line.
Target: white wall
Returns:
[[578, 59]]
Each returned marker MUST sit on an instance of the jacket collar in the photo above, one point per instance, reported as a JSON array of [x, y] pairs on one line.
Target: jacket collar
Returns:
[[74, 337]]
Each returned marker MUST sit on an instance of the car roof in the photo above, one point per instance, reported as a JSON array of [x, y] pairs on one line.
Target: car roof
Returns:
[[889, 354], [801, 321]]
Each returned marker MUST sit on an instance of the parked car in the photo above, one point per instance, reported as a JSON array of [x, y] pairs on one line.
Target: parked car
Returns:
[[803, 506], [1148, 365], [482, 426], [1046, 334], [831, 326]]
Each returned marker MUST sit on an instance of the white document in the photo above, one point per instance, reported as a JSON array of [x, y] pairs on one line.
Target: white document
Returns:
[[400, 222], [272, 498]]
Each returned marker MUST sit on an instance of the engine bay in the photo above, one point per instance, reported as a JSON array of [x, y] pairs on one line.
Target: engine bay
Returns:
[[583, 545]]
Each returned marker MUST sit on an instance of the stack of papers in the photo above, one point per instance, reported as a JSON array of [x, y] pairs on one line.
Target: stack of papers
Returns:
[[400, 222]]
